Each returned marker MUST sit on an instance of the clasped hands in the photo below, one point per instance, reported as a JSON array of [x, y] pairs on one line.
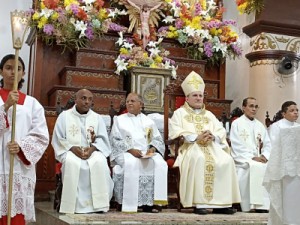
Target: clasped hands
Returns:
[[138, 153], [261, 159], [83, 152], [205, 138]]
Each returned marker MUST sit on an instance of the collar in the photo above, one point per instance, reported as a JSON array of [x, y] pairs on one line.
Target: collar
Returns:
[[4, 95]]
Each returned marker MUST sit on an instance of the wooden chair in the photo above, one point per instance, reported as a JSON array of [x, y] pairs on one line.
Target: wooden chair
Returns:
[[278, 116]]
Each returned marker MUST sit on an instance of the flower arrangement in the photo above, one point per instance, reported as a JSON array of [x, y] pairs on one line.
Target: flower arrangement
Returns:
[[154, 56], [198, 26], [73, 23], [249, 6]]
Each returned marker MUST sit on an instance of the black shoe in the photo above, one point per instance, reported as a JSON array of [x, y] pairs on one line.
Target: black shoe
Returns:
[[150, 209], [261, 211], [224, 211], [200, 211]]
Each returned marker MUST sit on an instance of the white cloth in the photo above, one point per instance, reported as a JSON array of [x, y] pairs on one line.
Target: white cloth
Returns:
[[137, 181], [207, 173], [244, 136], [33, 137], [87, 185], [282, 178]]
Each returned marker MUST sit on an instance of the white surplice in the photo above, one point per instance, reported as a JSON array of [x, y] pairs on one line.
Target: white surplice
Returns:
[[207, 173], [33, 137], [87, 185], [137, 181], [282, 178], [244, 137]]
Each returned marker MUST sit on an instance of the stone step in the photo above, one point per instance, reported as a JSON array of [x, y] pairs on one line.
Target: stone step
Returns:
[[91, 78], [102, 98]]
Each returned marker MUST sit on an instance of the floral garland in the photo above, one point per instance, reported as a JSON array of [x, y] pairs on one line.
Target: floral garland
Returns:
[[199, 27], [73, 23], [154, 56], [249, 6]]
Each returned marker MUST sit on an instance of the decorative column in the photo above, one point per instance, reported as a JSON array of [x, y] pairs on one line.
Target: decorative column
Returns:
[[274, 38]]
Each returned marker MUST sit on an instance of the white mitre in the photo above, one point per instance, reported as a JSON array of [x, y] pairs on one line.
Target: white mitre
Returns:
[[192, 83]]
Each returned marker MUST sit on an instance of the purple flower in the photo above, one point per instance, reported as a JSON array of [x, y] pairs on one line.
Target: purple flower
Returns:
[[198, 9], [236, 49], [172, 62], [74, 8], [178, 24], [116, 27], [48, 29], [89, 33], [208, 49], [164, 28], [229, 22]]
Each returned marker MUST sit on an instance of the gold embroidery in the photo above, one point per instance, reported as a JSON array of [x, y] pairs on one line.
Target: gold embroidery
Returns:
[[149, 134], [209, 174], [74, 130], [196, 82], [244, 135]]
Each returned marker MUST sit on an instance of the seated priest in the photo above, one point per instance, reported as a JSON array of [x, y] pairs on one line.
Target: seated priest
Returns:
[[139, 170], [251, 149], [81, 144], [282, 178], [207, 171]]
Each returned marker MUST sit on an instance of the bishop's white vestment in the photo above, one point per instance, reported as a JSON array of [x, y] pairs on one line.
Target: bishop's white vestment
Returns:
[[87, 185], [282, 178], [138, 181], [207, 172], [33, 138], [246, 137]]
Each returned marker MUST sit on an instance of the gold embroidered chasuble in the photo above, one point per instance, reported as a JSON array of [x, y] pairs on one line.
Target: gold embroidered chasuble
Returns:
[[207, 171]]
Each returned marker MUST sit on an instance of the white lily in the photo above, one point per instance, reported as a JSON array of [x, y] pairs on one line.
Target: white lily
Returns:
[[120, 41], [121, 65], [154, 51], [127, 45], [112, 13], [46, 12], [80, 26], [189, 31], [168, 19]]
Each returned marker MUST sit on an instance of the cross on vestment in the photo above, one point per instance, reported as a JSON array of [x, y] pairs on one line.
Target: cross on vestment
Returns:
[[74, 130], [244, 135]]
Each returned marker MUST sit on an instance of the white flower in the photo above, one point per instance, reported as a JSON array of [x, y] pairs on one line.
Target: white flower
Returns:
[[112, 13], [120, 41], [169, 19], [46, 12], [218, 46], [127, 45], [121, 65], [88, 2], [80, 26], [189, 31], [123, 12], [154, 51]]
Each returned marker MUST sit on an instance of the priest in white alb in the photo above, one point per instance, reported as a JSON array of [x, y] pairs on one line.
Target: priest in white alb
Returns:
[[251, 147], [207, 171], [81, 144], [139, 170], [282, 178]]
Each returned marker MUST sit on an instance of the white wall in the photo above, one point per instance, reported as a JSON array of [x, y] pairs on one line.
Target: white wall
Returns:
[[5, 32], [238, 70]]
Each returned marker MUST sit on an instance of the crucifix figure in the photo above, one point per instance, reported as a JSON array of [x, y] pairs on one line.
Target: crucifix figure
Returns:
[[145, 15]]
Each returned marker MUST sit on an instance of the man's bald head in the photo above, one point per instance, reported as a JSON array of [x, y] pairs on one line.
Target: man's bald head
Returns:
[[83, 100]]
